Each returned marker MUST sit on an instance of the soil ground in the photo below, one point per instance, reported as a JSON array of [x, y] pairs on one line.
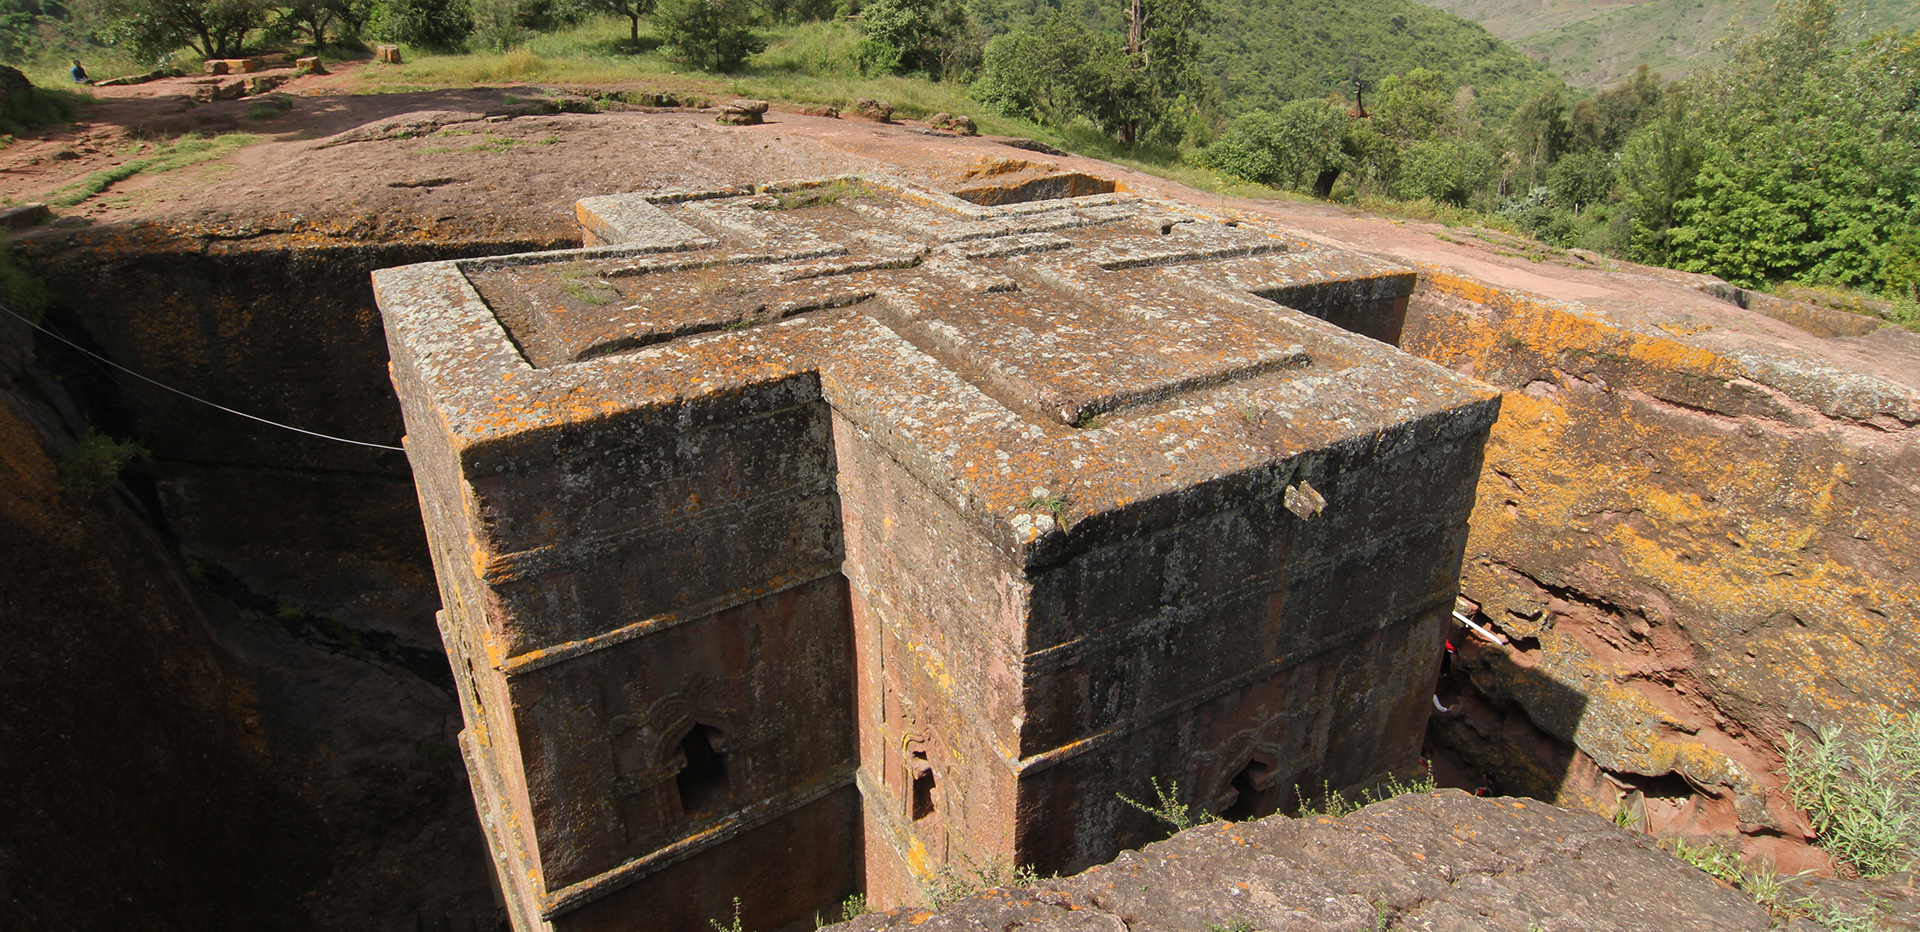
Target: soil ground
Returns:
[[486, 161]]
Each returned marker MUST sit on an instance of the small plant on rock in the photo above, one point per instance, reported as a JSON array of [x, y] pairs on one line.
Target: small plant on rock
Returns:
[[734, 926], [949, 884], [1861, 795], [93, 465], [1169, 809]]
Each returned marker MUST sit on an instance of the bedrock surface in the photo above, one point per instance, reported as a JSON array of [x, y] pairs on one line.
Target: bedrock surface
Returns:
[[1439, 861]]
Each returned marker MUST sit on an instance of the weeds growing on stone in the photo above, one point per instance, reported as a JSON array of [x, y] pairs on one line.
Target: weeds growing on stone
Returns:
[[1168, 808], [1836, 920], [1046, 501], [1624, 819], [733, 926], [1335, 804], [949, 884], [833, 192], [1716, 861], [21, 291], [93, 465], [853, 907], [1861, 795]]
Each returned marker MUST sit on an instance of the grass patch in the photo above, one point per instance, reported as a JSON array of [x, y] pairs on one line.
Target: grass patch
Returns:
[[1861, 792], [1905, 313], [39, 107], [1430, 211], [181, 153]]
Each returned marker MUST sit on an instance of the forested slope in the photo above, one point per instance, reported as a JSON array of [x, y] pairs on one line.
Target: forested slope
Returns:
[[1590, 44], [1266, 52]]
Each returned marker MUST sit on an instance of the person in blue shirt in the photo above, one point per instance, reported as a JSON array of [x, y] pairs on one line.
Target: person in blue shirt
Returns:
[[80, 74]]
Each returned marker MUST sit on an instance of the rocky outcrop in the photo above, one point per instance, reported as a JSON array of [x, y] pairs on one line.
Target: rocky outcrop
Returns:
[[1696, 530], [1439, 862], [743, 112]]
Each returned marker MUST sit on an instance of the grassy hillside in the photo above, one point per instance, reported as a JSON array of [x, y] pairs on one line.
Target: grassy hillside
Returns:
[[1267, 52], [1590, 43]]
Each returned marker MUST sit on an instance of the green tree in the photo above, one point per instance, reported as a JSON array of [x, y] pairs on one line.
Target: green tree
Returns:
[[152, 28], [1449, 170], [1606, 121], [1541, 134], [1144, 80], [1581, 178], [1062, 71], [1302, 146], [441, 25], [1657, 170], [713, 35], [1808, 156], [314, 18], [1414, 106], [633, 10], [904, 36]]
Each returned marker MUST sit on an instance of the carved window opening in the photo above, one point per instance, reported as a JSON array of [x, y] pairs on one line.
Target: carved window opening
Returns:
[[702, 779], [1255, 794], [924, 786]]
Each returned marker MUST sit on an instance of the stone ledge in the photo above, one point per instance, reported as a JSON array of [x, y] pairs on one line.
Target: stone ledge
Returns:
[[1439, 861]]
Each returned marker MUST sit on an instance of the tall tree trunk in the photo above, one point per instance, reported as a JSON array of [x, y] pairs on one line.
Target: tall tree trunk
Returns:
[[1137, 29], [635, 17]]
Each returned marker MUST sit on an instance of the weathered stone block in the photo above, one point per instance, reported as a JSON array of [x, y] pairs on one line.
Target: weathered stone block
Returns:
[[773, 501]]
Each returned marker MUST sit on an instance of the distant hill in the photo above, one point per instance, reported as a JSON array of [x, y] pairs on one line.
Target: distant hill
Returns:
[[1267, 52], [1590, 43]]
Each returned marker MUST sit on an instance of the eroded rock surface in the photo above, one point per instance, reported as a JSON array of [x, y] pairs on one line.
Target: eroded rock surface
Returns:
[[1697, 528], [1438, 862]]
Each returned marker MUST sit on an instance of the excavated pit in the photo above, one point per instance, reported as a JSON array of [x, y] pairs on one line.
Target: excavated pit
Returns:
[[1655, 656]]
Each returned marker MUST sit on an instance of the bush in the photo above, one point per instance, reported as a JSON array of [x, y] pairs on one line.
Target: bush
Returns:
[[712, 35], [439, 25], [1581, 179], [1862, 796], [1288, 149], [904, 36], [1448, 170], [20, 290], [93, 465], [37, 107]]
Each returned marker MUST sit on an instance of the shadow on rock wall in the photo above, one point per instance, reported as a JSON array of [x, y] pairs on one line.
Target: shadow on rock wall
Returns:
[[1501, 732]]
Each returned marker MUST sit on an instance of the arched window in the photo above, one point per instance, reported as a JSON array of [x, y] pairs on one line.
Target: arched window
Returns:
[[924, 786], [702, 779], [1256, 794]]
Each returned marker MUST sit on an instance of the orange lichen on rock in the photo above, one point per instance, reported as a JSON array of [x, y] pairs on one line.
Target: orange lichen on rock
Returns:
[[1695, 542]]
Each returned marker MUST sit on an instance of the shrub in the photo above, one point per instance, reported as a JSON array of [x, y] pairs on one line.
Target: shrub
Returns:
[[93, 465], [1290, 148], [1861, 795], [1447, 170], [1169, 809]]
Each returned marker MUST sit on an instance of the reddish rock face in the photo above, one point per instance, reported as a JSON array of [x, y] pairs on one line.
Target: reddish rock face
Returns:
[[1697, 530], [825, 537]]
